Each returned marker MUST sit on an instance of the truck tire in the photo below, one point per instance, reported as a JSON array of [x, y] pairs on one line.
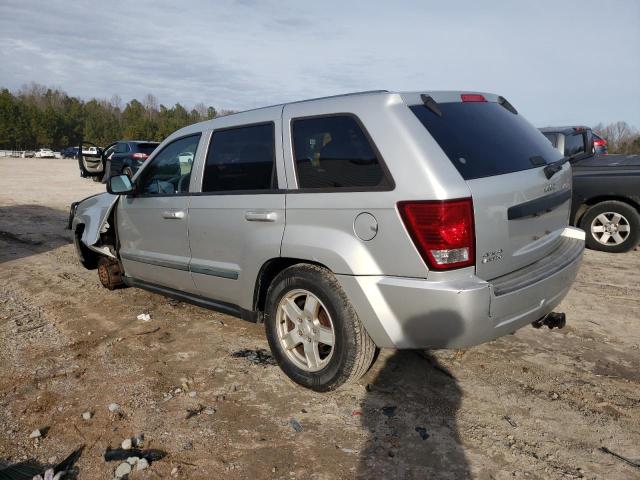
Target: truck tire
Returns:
[[611, 226], [314, 333]]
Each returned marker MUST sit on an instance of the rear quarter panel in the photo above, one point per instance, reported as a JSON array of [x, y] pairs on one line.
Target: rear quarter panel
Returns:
[[320, 224]]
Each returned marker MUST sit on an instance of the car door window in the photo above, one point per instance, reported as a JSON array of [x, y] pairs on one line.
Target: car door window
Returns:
[[552, 138], [573, 144], [166, 174], [240, 158], [333, 152]]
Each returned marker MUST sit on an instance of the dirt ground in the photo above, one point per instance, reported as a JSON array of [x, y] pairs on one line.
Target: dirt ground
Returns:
[[538, 404]]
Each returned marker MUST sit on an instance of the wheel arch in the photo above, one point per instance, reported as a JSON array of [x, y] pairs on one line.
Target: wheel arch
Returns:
[[269, 270], [590, 202]]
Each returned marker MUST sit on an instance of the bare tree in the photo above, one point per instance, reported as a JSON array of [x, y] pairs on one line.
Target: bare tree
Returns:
[[620, 137], [150, 103], [116, 101]]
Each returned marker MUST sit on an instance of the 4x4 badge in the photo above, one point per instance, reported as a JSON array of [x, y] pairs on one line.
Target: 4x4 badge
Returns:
[[492, 256]]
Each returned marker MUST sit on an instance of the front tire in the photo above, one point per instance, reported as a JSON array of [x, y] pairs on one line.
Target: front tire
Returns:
[[313, 331], [611, 226]]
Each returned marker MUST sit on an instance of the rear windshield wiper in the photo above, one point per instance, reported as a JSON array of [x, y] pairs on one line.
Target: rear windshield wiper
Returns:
[[553, 168]]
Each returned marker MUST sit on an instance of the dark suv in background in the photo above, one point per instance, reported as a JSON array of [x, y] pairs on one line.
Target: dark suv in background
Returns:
[[126, 156], [70, 152]]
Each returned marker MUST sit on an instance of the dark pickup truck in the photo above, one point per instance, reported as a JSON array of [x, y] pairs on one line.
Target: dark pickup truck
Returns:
[[606, 191]]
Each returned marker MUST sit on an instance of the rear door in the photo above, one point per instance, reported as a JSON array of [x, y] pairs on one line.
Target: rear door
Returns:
[[519, 213], [152, 224], [237, 219]]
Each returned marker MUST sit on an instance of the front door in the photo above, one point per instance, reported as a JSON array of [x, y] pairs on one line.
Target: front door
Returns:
[[152, 223], [237, 221]]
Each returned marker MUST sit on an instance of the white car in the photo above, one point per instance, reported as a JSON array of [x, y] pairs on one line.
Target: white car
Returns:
[[45, 153]]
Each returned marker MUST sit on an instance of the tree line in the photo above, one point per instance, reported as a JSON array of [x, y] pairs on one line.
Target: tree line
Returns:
[[620, 137], [37, 116]]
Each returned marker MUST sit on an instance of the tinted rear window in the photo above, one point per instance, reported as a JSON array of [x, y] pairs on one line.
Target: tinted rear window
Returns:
[[553, 138], [147, 148], [483, 139], [573, 144]]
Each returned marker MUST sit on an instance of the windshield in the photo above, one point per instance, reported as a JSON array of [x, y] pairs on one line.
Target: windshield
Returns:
[[483, 139]]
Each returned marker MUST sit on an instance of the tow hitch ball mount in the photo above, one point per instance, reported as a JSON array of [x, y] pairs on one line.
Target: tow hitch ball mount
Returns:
[[552, 320]]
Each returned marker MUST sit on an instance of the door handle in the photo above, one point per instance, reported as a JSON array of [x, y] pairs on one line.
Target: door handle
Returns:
[[260, 216], [173, 214]]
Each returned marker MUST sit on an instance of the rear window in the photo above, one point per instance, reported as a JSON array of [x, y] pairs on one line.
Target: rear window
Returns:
[[553, 138], [483, 139], [147, 148], [573, 144]]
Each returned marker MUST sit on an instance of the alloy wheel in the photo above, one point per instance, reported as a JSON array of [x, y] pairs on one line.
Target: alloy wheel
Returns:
[[610, 228], [305, 330]]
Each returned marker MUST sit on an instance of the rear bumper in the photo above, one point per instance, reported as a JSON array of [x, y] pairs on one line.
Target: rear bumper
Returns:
[[417, 313]]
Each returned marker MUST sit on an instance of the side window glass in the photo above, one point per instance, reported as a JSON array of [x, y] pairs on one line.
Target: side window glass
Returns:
[[552, 138], [333, 152], [241, 158], [573, 144], [167, 174]]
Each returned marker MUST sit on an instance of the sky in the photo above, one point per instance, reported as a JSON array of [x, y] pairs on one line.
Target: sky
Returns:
[[558, 62]]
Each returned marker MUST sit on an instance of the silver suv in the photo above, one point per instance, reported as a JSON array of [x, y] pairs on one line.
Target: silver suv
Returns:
[[348, 224]]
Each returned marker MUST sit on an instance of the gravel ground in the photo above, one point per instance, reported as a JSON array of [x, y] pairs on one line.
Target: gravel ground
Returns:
[[538, 404]]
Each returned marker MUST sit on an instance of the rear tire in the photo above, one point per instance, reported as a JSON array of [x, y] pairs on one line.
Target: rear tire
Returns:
[[611, 226], [305, 307]]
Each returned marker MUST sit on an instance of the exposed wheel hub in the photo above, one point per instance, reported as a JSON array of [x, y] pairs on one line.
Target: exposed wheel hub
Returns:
[[110, 273]]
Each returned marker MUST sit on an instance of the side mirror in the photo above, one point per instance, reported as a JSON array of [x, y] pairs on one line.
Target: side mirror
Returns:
[[119, 185]]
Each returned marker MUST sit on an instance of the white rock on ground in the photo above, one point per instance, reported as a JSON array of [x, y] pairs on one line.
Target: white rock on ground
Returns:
[[86, 415], [35, 434], [138, 440], [113, 407], [123, 469], [126, 444], [132, 460], [142, 464]]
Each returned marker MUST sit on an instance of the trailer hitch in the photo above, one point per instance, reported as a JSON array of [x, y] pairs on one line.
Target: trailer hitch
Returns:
[[552, 320]]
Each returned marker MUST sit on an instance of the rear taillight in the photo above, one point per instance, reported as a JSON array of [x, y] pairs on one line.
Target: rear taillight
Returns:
[[139, 156], [442, 231], [599, 143], [472, 97]]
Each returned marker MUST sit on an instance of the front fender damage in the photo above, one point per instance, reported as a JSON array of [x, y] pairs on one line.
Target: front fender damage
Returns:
[[93, 213]]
